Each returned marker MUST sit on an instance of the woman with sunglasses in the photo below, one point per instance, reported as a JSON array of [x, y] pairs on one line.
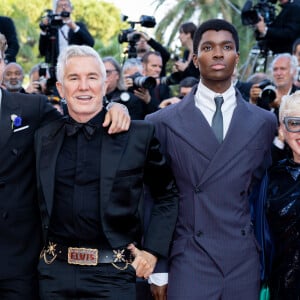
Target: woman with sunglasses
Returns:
[[282, 207]]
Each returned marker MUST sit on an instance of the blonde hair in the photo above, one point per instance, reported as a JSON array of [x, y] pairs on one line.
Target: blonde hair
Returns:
[[290, 105]]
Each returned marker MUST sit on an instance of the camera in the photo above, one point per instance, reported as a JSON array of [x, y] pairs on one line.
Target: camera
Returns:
[[139, 80], [54, 20], [268, 94], [265, 8], [145, 21], [172, 79], [128, 35]]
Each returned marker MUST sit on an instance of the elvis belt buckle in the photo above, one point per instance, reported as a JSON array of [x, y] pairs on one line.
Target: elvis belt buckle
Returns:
[[82, 256]]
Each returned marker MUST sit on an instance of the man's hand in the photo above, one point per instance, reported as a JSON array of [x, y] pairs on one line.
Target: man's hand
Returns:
[[143, 94], [144, 262], [255, 93], [169, 101], [118, 118], [159, 292]]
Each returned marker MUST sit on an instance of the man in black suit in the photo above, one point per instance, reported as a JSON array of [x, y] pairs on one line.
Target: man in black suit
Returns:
[[59, 32], [280, 35], [7, 28], [90, 189], [20, 243]]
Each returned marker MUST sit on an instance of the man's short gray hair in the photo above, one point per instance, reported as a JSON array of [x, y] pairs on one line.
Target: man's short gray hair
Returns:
[[77, 51]]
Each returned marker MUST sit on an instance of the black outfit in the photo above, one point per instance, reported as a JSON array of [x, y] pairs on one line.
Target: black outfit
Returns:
[[160, 92], [7, 28], [90, 194], [137, 108], [283, 215], [20, 228], [244, 88], [49, 43], [285, 29]]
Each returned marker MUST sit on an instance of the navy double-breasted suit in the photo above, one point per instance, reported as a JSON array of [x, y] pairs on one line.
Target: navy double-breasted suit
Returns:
[[214, 246]]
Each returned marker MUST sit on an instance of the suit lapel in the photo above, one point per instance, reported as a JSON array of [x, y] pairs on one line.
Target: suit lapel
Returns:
[[8, 107], [192, 127], [111, 153], [50, 146], [238, 136]]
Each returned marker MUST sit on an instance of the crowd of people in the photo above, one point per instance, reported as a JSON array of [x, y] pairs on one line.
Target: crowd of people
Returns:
[[114, 185]]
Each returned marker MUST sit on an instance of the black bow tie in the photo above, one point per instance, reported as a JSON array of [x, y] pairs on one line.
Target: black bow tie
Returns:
[[72, 127]]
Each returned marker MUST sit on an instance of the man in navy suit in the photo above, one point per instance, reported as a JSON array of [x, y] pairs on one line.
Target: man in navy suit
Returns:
[[20, 240], [217, 154]]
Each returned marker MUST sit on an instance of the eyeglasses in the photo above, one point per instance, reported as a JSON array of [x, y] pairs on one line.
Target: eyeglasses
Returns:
[[109, 72], [292, 124]]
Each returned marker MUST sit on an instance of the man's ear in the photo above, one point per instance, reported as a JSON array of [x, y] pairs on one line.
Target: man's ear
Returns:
[[60, 89], [195, 61]]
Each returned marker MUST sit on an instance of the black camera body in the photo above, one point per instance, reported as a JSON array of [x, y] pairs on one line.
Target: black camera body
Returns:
[[54, 20], [126, 35], [139, 80], [265, 8], [268, 94]]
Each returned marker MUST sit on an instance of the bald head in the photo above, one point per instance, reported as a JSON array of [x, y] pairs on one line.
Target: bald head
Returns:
[[13, 76]]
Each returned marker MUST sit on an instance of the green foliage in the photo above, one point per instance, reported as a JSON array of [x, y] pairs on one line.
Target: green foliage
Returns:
[[198, 11], [102, 19]]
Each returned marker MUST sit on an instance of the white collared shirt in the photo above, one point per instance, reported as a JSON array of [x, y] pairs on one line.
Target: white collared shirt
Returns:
[[204, 100]]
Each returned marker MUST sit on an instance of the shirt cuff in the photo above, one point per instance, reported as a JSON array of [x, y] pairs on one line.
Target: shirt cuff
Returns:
[[278, 143], [158, 279], [76, 29]]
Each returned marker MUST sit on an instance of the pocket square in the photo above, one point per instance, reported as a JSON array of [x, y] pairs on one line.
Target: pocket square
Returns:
[[21, 128]]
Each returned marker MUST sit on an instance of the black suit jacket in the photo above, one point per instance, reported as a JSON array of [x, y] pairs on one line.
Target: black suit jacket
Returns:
[[285, 29], [8, 29], [128, 160], [81, 37], [19, 219]]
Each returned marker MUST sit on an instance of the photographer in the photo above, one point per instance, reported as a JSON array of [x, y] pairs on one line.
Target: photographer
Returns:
[[152, 66], [60, 30], [146, 44], [284, 69], [116, 90], [132, 71], [280, 35]]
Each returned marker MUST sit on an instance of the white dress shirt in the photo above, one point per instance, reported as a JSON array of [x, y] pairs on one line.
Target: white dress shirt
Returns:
[[204, 100]]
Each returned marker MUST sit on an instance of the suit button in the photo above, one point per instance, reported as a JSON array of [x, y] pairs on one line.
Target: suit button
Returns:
[[197, 189], [46, 227], [242, 193], [243, 232], [199, 233], [4, 215], [2, 184]]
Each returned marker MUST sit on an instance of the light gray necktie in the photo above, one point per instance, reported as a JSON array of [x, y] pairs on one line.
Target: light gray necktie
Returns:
[[217, 121]]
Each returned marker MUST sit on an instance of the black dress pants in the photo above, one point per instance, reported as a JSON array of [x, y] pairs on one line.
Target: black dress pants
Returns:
[[19, 288], [60, 280]]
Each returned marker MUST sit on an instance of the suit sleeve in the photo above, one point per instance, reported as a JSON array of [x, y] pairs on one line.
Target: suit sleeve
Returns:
[[163, 189], [83, 36], [9, 30]]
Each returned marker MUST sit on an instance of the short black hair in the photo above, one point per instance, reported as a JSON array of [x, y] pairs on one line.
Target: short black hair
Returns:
[[295, 44], [217, 25], [188, 81], [188, 27]]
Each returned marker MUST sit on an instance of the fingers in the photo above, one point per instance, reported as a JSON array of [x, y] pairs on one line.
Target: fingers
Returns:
[[144, 262], [117, 118]]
